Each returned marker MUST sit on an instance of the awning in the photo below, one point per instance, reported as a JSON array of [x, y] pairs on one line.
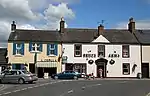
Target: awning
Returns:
[[47, 64]]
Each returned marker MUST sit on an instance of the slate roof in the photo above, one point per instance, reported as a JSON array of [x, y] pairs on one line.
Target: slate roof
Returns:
[[143, 36], [73, 35], [87, 35], [34, 35], [3, 52]]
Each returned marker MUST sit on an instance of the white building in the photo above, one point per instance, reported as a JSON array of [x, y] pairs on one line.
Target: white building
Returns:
[[117, 52]]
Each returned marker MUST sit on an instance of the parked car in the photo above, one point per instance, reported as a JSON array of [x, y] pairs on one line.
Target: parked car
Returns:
[[17, 76], [66, 75]]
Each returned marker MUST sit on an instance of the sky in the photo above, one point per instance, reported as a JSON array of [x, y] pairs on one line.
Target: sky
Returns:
[[46, 14]]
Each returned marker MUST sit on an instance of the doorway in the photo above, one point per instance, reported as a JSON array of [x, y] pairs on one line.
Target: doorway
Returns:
[[145, 70], [69, 66], [103, 67]]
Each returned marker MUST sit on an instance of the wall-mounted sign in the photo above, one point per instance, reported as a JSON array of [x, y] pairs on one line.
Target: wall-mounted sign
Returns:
[[64, 59], [111, 61], [48, 60], [90, 61], [89, 55], [114, 55]]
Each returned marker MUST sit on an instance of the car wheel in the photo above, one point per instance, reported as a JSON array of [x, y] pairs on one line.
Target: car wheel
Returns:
[[56, 77], [75, 78], [20, 81]]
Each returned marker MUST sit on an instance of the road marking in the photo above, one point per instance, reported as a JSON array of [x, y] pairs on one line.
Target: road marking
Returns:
[[29, 87], [71, 91], [2, 86]]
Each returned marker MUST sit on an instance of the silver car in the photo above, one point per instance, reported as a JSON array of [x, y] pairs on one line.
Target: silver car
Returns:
[[17, 76]]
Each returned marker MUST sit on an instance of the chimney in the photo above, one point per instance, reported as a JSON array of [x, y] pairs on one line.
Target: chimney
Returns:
[[131, 25], [13, 26], [100, 29], [62, 25]]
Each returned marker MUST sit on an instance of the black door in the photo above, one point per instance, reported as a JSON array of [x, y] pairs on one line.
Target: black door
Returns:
[[145, 70], [69, 66], [103, 67], [32, 68]]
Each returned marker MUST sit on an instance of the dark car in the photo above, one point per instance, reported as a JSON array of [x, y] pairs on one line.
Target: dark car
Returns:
[[66, 75]]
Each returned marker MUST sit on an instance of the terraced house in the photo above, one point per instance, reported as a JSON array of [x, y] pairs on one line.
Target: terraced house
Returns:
[[38, 51]]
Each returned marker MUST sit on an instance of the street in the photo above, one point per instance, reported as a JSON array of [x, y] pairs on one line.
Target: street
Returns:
[[80, 88]]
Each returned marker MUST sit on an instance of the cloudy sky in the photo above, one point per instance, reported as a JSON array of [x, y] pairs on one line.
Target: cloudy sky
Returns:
[[46, 14]]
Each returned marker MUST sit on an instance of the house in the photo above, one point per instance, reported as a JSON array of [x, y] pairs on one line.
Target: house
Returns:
[[3, 59], [38, 51], [144, 38], [117, 52]]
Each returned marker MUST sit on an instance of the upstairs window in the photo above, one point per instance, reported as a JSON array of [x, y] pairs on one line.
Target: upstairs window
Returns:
[[101, 50], [35, 47], [125, 51], [77, 50], [18, 48], [52, 49]]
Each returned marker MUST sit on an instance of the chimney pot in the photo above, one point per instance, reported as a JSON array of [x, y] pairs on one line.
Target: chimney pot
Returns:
[[13, 26], [100, 29], [131, 25], [62, 25]]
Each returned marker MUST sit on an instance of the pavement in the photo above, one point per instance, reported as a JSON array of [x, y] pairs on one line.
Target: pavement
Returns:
[[98, 87]]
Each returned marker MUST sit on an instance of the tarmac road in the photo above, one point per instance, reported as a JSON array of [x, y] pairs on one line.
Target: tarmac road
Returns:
[[85, 88]]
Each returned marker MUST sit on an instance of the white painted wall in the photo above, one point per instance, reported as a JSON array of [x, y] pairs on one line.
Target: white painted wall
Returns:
[[145, 55], [113, 70]]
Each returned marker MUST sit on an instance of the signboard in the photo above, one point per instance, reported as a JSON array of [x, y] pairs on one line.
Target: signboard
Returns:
[[48, 60], [89, 55], [64, 59], [114, 55]]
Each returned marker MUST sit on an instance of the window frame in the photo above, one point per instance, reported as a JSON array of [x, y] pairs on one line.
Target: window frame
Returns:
[[36, 46], [125, 48], [126, 73], [51, 49], [102, 47], [80, 51], [18, 49]]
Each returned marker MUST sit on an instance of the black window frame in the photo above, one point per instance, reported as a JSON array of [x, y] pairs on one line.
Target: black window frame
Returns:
[[101, 49], [126, 73], [75, 55], [125, 47]]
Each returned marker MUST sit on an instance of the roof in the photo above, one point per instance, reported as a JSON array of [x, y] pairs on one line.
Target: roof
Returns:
[[34, 35], [88, 35], [143, 36], [73, 35], [3, 52]]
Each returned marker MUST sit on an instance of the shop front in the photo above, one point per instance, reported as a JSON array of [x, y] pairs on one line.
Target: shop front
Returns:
[[46, 66]]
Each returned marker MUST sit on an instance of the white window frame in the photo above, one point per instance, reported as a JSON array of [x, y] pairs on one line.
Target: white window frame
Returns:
[[51, 49], [36, 46], [18, 48]]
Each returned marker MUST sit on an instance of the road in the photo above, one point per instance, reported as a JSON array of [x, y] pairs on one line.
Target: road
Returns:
[[82, 88]]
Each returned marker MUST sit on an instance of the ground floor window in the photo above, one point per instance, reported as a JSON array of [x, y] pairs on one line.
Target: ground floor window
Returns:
[[18, 66], [78, 67], [126, 68]]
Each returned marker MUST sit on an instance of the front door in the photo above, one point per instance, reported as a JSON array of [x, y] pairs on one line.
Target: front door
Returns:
[[103, 67], [145, 70]]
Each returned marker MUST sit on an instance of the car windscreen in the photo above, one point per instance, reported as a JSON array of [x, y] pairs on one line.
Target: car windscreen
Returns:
[[26, 72]]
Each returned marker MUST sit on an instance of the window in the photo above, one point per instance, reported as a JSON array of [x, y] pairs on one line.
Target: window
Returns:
[[126, 68], [52, 49], [125, 51], [78, 50], [101, 50], [80, 68], [18, 49], [35, 47]]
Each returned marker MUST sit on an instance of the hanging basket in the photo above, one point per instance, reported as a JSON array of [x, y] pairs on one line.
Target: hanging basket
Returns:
[[90, 61], [111, 61]]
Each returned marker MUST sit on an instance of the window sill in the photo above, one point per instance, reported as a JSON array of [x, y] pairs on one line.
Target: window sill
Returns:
[[35, 51], [77, 56], [18, 55], [52, 55]]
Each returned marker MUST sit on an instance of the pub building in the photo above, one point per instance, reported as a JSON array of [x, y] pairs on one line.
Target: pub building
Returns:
[[112, 50]]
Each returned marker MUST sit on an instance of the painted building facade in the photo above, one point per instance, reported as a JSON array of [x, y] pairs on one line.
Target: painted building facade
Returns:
[[88, 50], [144, 38], [38, 51]]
